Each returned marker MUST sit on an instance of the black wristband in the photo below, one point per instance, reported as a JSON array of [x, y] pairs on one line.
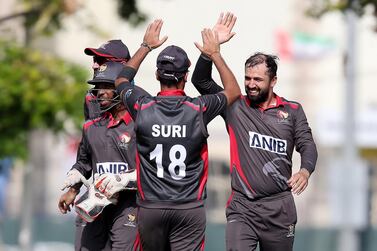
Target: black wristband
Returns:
[[128, 73], [121, 87]]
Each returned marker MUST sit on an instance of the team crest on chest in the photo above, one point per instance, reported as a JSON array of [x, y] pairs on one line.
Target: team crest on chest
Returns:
[[125, 139], [282, 116]]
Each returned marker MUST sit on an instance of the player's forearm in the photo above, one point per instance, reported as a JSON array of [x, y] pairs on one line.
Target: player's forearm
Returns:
[[202, 77], [309, 158], [305, 144], [231, 88]]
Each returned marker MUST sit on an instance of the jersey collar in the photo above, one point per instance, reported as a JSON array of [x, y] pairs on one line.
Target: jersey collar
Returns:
[[112, 122], [171, 93]]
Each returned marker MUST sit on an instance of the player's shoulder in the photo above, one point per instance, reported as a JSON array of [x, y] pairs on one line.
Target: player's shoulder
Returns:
[[242, 100], [92, 122], [290, 103], [210, 98]]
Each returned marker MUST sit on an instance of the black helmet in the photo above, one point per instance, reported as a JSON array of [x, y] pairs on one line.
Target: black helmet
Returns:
[[106, 74]]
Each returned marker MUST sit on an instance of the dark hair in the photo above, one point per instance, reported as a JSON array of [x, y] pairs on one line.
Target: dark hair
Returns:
[[170, 78], [260, 58]]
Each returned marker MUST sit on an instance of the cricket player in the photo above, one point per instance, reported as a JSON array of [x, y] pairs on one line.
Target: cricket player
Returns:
[[263, 129], [171, 134], [111, 51], [107, 147]]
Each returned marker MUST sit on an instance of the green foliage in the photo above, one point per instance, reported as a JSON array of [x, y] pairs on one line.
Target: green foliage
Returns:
[[320, 7], [37, 91], [45, 16]]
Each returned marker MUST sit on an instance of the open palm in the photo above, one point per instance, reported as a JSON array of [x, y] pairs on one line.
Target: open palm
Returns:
[[224, 26]]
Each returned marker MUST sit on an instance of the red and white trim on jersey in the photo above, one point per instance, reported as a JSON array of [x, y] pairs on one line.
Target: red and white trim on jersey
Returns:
[[204, 177], [176, 92]]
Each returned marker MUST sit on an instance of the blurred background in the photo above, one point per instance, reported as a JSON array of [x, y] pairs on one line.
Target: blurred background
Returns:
[[326, 50]]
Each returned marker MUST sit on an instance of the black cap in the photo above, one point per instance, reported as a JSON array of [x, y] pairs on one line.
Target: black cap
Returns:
[[173, 59], [110, 49], [107, 73]]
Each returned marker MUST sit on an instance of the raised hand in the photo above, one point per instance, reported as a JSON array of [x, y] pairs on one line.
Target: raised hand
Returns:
[[224, 26], [211, 43], [152, 35]]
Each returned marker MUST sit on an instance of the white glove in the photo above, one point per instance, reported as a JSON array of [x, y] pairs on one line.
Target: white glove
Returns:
[[74, 177], [92, 203], [109, 183]]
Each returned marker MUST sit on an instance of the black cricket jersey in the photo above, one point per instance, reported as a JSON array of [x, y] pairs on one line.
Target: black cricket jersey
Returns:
[[172, 163], [107, 146], [262, 144], [261, 141]]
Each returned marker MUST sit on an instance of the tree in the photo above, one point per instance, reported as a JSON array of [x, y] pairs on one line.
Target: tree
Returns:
[[39, 90], [319, 7], [45, 16]]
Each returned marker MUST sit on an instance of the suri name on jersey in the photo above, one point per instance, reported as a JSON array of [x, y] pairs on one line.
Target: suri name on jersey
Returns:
[[174, 131]]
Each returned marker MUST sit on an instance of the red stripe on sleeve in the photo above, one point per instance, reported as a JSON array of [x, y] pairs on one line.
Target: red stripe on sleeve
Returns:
[[91, 122], [203, 179], [292, 105], [193, 106], [145, 106]]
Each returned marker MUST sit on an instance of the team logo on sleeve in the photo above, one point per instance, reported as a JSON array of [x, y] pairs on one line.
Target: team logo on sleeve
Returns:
[[268, 143], [128, 93], [112, 167], [125, 139]]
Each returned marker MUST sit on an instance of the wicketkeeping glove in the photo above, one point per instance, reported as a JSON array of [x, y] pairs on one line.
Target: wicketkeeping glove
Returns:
[[74, 177], [109, 183], [92, 203]]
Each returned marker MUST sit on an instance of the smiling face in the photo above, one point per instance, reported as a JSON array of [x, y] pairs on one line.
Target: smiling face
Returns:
[[105, 94], [258, 85]]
